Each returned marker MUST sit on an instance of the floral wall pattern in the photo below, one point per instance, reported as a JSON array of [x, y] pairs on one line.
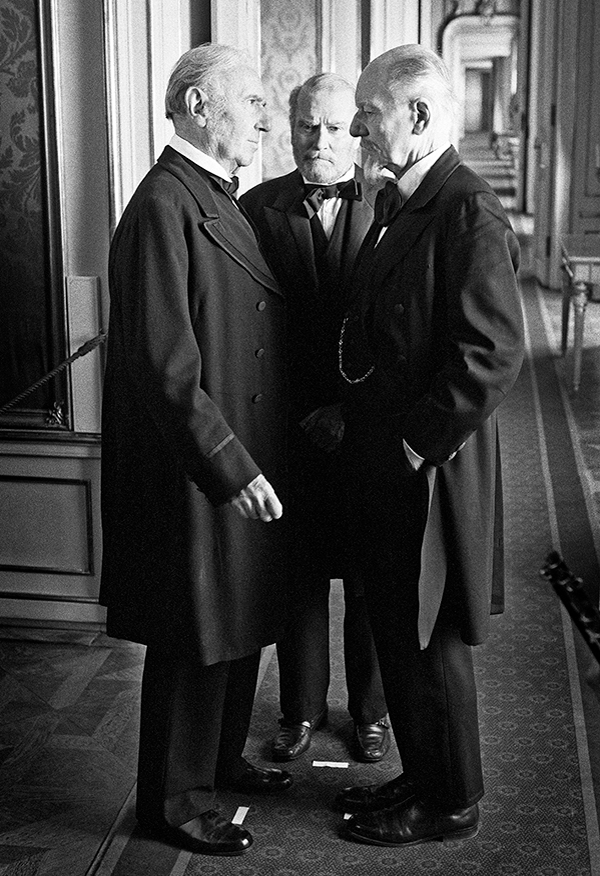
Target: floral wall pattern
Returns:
[[289, 56], [24, 283]]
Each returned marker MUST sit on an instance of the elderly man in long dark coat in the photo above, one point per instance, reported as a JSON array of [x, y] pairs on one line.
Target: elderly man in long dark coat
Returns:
[[194, 423], [431, 344]]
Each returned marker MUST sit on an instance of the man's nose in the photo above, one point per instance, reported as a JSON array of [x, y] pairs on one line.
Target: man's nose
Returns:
[[358, 128], [264, 122], [320, 137]]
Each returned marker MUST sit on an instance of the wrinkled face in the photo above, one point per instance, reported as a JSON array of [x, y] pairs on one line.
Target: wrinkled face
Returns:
[[237, 119], [384, 121], [323, 147]]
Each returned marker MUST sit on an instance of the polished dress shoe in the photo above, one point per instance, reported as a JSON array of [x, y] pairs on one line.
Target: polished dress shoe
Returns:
[[371, 742], [207, 834], [257, 780], [373, 798], [294, 739], [411, 823]]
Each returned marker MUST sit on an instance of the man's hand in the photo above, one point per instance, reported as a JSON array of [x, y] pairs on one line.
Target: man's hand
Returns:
[[325, 427], [258, 501]]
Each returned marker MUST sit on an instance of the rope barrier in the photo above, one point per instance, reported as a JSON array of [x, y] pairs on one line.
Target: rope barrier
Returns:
[[82, 351]]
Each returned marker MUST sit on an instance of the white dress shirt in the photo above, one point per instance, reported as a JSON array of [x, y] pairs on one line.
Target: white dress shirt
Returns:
[[330, 207]]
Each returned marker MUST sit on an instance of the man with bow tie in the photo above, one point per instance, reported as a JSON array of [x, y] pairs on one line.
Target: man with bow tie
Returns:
[[311, 223], [431, 342], [193, 463]]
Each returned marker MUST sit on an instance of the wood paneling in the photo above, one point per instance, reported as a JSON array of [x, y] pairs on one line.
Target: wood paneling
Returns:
[[50, 539]]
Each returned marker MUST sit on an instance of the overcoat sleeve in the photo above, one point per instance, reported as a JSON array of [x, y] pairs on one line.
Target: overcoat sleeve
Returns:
[[158, 317], [480, 349]]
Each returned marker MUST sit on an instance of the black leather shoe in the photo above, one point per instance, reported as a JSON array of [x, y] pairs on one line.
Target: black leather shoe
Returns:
[[371, 742], [411, 823], [373, 798], [256, 780], [207, 834], [294, 739]]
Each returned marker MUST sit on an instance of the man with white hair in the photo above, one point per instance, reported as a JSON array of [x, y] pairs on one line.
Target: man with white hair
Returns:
[[431, 343], [194, 420]]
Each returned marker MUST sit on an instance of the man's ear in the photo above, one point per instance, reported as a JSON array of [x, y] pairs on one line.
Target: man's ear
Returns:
[[423, 115], [196, 101]]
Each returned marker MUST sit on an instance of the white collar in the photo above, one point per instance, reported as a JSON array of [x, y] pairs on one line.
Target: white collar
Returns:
[[414, 176], [206, 162]]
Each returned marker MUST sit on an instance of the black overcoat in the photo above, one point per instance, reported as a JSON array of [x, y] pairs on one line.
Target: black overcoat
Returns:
[[437, 312], [194, 408]]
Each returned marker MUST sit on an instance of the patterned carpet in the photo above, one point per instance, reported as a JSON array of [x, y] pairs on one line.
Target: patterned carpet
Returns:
[[68, 711]]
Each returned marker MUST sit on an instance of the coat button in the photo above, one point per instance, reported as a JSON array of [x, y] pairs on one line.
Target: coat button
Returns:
[[258, 397], [259, 353], [261, 305]]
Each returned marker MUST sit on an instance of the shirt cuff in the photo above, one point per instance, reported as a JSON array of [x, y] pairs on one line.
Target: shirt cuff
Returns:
[[415, 460]]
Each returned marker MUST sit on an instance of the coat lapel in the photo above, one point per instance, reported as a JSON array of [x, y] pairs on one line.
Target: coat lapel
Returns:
[[290, 227], [236, 237], [361, 219], [414, 217]]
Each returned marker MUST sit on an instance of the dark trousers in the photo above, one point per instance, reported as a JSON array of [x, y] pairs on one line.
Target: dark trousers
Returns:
[[432, 704], [303, 655], [193, 727], [430, 693]]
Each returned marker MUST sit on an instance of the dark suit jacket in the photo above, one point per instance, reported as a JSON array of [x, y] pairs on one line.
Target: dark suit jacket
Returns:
[[315, 312], [438, 310], [194, 408]]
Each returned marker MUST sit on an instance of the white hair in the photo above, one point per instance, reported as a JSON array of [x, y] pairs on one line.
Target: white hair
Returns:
[[330, 82], [201, 67], [422, 71]]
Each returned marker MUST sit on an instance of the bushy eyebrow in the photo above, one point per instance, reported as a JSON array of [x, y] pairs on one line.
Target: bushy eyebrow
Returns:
[[330, 123]]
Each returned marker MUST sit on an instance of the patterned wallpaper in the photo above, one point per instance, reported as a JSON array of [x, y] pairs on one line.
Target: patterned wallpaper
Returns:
[[23, 295], [289, 56]]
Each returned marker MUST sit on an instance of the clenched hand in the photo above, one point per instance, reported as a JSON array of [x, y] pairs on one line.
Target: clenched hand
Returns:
[[258, 501]]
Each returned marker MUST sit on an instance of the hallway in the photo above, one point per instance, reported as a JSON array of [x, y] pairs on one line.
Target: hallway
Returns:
[[497, 166], [68, 702]]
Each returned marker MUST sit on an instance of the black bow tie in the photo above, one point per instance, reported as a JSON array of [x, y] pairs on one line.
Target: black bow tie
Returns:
[[315, 194], [387, 203], [229, 185]]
